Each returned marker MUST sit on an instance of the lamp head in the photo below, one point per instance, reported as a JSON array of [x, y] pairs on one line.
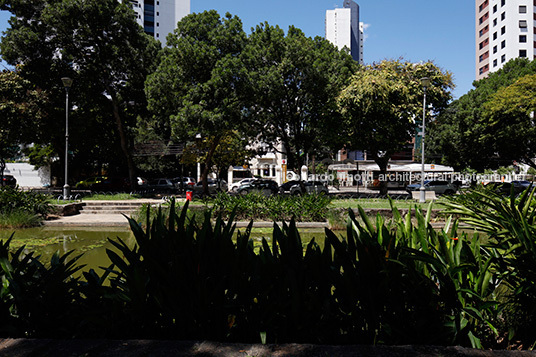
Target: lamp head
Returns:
[[67, 82], [425, 81]]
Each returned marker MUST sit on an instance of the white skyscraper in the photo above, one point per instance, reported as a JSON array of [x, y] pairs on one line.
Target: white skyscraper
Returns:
[[343, 29], [504, 30], [160, 17]]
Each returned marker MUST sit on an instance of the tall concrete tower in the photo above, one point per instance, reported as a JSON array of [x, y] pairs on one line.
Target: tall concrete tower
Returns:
[[343, 29], [160, 17], [504, 30]]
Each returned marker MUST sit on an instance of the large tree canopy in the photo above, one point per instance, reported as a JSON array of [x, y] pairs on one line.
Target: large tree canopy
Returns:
[[293, 82], [20, 113], [383, 103], [196, 89], [100, 45], [467, 135]]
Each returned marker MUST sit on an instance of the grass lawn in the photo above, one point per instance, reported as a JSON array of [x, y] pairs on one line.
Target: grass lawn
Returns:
[[381, 203]]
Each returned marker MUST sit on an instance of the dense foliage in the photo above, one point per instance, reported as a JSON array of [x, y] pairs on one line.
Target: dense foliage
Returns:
[[12, 199], [387, 283], [381, 106], [21, 113], [308, 208], [102, 48], [484, 128]]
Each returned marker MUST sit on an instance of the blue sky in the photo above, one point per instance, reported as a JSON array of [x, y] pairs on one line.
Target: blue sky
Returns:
[[415, 30]]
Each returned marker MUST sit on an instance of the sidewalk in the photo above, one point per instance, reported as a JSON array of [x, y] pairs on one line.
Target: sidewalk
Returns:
[[89, 220], [141, 348]]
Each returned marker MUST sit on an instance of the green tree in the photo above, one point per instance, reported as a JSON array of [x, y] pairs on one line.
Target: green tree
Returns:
[[382, 102], [196, 88], [100, 45], [20, 110], [509, 115], [463, 136], [293, 82]]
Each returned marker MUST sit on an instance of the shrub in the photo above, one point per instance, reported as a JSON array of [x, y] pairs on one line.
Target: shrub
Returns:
[[278, 208], [21, 208], [16, 199]]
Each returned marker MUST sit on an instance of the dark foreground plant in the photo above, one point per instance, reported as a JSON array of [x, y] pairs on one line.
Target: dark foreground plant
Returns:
[[510, 224], [398, 282], [37, 300]]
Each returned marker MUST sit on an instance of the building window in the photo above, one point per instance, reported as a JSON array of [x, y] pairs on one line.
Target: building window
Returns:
[[495, 35], [503, 16], [523, 24], [522, 53], [522, 9], [522, 38], [503, 58], [494, 22], [494, 63], [503, 30], [494, 49], [503, 2], [494, 8], [503, 44]]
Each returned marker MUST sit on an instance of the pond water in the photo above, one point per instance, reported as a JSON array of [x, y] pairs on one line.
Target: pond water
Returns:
[[93, 242]]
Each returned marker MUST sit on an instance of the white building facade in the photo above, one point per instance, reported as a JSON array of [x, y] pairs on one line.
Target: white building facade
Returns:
[[159, 17], [504, 31], [343, 29]]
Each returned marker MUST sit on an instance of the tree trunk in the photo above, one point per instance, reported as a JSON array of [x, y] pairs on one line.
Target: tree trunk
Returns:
[[382, 163], [124, 142], [2, 169], [208, 163]]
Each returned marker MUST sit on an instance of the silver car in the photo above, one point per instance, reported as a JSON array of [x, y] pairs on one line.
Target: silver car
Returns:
[[439, 187]]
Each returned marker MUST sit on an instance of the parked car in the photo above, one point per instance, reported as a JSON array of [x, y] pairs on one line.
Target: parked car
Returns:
[[112, 184], [439, 187], [307, 187], [162, 185], [234, 186], [8, 180], [506, 187], [214, 186], [265, 187], [87, 183], [285, 188], [142, 182], [184, 183]]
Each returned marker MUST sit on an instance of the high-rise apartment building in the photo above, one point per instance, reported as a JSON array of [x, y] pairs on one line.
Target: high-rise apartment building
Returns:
[[343, 29], [505, 29], [160, 17]]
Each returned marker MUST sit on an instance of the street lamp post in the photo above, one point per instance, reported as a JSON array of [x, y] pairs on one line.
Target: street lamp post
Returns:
[[425, 84], [67, 83]]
